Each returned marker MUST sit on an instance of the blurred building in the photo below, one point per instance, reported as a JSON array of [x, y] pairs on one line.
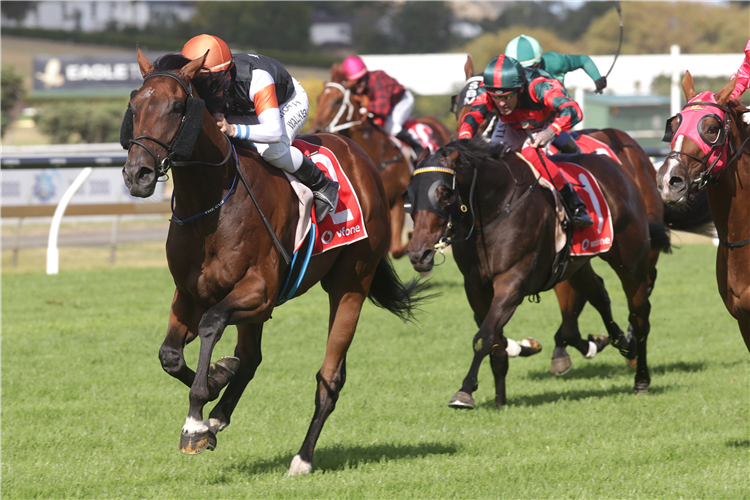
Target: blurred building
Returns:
[[91, 16]]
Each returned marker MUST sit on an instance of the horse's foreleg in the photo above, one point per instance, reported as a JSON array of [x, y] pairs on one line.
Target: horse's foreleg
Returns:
[[183, 327], [248, 353], [344, 315], [489, 340]]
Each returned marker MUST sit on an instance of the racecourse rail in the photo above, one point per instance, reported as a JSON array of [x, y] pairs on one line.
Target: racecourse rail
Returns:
[[87, 158]]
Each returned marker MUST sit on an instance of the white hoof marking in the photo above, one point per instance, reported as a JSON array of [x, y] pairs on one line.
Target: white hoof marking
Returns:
[[513, 349], [192, 426], [592, 350], [299, 467]]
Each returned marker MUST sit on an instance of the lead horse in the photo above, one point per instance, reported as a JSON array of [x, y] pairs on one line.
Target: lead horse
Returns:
[[339, 110], [502, 226], [709, 153], [692, 217], [226, 242]]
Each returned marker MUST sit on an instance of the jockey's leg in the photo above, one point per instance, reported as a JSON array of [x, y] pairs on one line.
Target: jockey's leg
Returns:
[[394, 124], [565, 144]]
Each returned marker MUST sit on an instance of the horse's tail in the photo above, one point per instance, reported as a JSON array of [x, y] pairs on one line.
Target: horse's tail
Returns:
[[659, 233], [694, 217], [402, 299]]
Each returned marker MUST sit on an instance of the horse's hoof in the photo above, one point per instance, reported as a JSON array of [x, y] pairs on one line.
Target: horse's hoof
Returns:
[[561, 363], [529, 347], [299, 467], [641, 387], [627, 345], [462, 401], [226, 367], [192, 444], [601, 341], [632, 363]]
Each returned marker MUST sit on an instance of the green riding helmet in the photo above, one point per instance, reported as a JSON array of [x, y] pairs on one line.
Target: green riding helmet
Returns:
[[524, 49], [504, 73]]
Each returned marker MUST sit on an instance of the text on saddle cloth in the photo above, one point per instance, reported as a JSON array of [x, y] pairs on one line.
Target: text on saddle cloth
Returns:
[[345, 225], [599, 237]]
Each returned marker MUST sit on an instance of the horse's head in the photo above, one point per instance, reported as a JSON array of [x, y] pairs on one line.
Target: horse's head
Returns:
[[700, 140], [432, 201], [163, 121], [339, 108]]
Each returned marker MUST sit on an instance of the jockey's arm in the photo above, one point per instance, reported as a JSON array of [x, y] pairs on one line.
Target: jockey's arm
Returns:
[[471, 121], [269, 128], [568, 112]]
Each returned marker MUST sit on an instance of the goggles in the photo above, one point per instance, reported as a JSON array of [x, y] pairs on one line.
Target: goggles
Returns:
[[219, 73], [503, 96]]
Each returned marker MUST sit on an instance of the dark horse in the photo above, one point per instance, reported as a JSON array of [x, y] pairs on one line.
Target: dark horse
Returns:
[[502, 227], [227, 263], [708, 150], [339, 110], [694, 217]]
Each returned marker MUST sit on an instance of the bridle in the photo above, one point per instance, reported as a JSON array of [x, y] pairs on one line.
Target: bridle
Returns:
[[193, 106], [347, 108]]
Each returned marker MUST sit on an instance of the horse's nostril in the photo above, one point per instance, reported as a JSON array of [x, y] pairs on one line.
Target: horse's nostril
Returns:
[[676, 182]]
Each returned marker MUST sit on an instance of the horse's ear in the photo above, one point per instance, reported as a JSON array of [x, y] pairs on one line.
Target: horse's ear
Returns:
[[722, 98], [190, 69], [337, 74], [424, 154], [688, 87], [469, 67], [450, 160], [146, 66]]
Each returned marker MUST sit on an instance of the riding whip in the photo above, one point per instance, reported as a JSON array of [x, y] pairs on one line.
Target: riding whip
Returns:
[[619, 46]]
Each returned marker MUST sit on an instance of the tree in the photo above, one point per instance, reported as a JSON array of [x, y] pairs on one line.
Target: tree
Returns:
[[422, 27], [259, 25], [11, 93], [17, 11]]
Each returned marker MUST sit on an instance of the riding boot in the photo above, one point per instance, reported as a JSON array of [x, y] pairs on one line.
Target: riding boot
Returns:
[[406, 137], [570, 147], [576, 207], [325, 191]]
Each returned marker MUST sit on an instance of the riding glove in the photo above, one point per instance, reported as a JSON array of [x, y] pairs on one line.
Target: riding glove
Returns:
[[601, 84], [541, 139]]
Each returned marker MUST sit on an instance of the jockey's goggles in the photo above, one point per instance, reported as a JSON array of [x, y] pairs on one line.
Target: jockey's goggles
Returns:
[[216, 71], [503, 95]]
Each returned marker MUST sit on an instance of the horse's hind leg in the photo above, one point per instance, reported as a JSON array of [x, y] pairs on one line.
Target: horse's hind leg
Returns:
[[249, 355], [345, 302]]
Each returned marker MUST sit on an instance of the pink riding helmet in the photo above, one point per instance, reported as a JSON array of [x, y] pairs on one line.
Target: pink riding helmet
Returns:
[[354, 67]]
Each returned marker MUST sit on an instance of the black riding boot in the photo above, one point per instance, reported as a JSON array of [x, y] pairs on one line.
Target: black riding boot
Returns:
[[406, 137], [325, 191], [576, 207], [570, 147]]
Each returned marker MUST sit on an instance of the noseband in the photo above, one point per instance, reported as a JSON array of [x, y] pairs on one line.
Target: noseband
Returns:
[[346, 108], [184, 139]]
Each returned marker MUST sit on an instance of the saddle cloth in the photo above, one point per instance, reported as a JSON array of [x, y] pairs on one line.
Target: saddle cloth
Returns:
[[422, 133], [591, 240], [588, 145], [343, 226]]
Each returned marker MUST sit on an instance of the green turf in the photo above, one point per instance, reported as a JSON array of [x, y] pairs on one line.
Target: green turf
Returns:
[[87, 411]]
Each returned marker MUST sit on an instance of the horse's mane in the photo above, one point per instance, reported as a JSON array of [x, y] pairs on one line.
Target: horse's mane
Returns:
[[473, 153], [210, 87]]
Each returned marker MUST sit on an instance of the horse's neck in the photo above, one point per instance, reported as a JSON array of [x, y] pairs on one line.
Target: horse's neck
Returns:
[[373, 140]]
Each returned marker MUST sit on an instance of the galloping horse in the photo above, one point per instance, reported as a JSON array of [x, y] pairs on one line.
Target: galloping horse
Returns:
[[229, 261], [502, 227], [694, 217], [341, 111], [708, 150]]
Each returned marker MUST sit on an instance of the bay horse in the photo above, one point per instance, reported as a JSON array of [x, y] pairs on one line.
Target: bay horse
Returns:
[[340, 110], [502, 226], [708, 140], [227, 261], [693, 217]]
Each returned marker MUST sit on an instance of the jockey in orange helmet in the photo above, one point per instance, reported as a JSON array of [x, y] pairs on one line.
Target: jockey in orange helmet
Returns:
[[266, 107], [389, 102]]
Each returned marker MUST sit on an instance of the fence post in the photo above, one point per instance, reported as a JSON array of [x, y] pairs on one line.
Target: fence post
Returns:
[[675, 89], [53, 255]]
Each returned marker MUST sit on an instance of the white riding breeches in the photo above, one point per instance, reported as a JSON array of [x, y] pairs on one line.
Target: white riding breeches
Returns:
[[294, 113], [399, 114]]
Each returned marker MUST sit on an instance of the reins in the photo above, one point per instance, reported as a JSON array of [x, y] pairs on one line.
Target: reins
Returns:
[[346, 107]]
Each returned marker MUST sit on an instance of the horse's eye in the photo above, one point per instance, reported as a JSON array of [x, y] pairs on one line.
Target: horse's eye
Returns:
[[178, 107], [444, 196], [338, 102]]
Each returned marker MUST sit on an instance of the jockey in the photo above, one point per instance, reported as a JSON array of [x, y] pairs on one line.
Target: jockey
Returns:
[[742, 82], [528, 99], [389, 102], [266, 107], [528, 52]]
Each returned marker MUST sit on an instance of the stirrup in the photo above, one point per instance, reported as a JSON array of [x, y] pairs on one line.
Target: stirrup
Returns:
[[325, 200], [582, 219]]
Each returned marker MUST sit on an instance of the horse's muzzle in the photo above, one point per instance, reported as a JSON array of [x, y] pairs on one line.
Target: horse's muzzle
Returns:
[[422, 260], [139, 179], [673, 183]]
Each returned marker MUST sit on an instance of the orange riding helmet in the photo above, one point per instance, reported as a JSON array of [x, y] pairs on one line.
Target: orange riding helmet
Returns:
[[219, 56]]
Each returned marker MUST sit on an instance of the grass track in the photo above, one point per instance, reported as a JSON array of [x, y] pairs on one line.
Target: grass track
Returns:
[[88, 413]]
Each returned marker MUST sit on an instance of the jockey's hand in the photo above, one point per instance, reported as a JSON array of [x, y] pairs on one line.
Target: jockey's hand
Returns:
[[541, 139], [601, 84], [746, 117], [224, 125]]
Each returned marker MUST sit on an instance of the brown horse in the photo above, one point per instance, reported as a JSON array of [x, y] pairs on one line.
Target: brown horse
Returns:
[[340, 110], [708, 150], [229, 261], [502, 227], [695, 217]]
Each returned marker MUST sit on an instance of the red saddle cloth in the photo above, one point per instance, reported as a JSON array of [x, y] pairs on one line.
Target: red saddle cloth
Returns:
[[422, 133], [597, 238], [589, 145], [344, 225]]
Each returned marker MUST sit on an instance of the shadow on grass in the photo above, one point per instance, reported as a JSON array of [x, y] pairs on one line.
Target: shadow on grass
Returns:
[[738, 443], [584, 370], [338, 458]]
